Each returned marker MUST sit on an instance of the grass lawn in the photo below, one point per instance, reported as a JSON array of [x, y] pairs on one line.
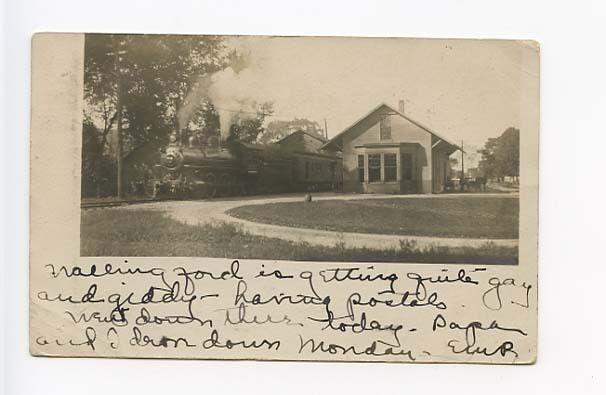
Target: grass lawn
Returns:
[[457, 216], [119, 232]]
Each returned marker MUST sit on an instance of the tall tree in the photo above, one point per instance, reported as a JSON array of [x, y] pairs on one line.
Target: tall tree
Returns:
[[501, 155], [508, 153], [248, 129], [139, 83], [204, 125]]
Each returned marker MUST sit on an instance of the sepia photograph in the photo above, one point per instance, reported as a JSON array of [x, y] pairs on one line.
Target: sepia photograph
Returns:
[[303, 197], [329, 149]]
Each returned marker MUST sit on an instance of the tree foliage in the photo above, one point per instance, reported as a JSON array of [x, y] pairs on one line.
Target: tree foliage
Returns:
[[501, 155], [98, 169], [204, 126], [152, 77], [248, 129]]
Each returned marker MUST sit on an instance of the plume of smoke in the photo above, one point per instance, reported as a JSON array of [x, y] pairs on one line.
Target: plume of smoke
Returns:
[[235, 96], [197, 95]]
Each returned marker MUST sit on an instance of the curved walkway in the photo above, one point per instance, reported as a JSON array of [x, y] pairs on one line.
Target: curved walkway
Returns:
[[213, 211]]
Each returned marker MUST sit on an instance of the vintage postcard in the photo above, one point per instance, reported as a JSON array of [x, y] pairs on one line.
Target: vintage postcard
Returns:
[[284, 198]]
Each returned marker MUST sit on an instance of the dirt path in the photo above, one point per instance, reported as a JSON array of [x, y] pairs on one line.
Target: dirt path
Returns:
[[214, 211]]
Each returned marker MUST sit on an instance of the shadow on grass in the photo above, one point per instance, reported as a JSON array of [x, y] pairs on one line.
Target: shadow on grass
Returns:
[[116, 232]]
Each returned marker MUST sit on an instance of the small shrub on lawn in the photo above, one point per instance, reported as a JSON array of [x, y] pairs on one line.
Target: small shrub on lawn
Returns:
[[407, 246]]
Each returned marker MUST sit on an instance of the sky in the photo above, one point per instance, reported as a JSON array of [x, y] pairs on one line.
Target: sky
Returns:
[[463, 89]]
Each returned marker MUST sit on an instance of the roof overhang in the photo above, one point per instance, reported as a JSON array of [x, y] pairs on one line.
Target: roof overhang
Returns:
[[447, 147]]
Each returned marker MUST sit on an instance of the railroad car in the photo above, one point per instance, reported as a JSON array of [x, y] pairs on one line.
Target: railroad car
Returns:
[[195, 171]]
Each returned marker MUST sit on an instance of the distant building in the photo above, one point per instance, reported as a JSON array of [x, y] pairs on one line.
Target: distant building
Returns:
[[386, 151], [301, 140]]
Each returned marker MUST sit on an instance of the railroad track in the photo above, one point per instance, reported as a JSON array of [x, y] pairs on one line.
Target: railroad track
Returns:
[[115, 203]]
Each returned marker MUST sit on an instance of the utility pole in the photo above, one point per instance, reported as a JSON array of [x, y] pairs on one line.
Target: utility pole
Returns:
[[462, 161], [119, 150], [119, 142], [325, 129], [462, 181]]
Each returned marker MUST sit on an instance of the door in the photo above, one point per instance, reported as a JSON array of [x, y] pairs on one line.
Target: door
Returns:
[[409, 182]]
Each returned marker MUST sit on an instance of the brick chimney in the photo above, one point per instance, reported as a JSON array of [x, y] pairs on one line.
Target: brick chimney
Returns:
[[401, 106]]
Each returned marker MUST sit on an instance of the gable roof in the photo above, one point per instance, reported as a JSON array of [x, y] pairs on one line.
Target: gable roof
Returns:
[[301, 131], [337, 140]]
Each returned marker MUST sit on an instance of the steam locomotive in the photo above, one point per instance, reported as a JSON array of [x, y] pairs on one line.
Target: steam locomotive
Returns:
[[193, 170]]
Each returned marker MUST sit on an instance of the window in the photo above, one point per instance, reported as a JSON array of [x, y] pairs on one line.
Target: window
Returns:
[[391, 167], [374, 167], [406, 166], [318, 169], [385, 127], [361, 168]]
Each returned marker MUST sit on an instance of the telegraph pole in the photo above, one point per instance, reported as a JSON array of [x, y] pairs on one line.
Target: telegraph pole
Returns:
[[462, 161], [325, 129], [119, 159], [462, 181], [119, 142]]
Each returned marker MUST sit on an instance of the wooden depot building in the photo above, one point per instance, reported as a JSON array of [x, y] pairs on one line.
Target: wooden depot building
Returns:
[[385, 151]]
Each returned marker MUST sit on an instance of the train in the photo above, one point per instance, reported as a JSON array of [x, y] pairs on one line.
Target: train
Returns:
[[191, 170]]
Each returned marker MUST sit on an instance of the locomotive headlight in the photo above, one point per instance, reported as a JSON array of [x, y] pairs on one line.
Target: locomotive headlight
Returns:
[[172, 158]]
